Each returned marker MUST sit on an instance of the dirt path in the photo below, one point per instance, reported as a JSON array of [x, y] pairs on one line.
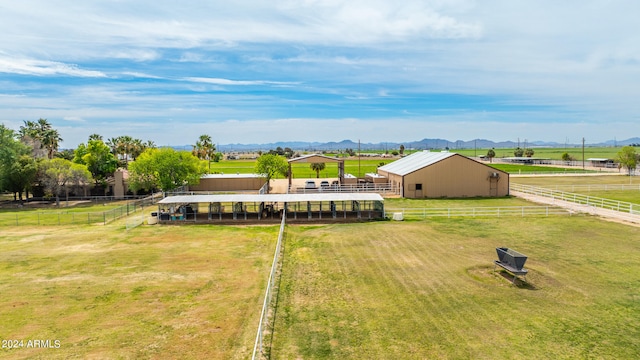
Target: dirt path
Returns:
[[606, 214]]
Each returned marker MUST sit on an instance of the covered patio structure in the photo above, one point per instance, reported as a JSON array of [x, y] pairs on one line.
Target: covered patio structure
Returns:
[[315, 159], [231, 208]]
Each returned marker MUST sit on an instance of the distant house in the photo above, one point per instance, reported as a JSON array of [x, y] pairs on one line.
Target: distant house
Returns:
[[444, 174], [524, 160], [602, 163]]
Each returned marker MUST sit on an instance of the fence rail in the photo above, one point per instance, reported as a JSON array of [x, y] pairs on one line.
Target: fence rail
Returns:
[[382, 189], [621, 206], [31, 218], [593, 187], [267, 315], [423, 213]]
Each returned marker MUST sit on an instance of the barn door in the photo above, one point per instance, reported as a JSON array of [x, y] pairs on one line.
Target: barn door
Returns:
[[419, 191]]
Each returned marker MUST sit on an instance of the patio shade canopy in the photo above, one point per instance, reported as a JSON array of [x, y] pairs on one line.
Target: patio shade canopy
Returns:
[[318, 158], [268, 198], [220, 208]]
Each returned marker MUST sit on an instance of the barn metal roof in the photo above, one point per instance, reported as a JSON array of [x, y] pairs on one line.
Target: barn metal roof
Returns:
[[271, 198], [415, 161]]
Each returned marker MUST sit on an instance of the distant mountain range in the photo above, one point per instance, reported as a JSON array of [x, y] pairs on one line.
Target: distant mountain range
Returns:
[[424, 144]]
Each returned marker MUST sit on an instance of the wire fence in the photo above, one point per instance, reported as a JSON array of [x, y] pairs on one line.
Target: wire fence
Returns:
[[265, 327], [424, 213], [620, 206], [37, 218]]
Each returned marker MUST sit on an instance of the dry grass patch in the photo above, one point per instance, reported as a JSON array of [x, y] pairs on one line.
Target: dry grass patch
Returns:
[[152, 292], [424, 290]]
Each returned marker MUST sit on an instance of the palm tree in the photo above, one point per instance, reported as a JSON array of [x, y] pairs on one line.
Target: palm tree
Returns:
[[113, 144], [137, 147], [204, 149], [317, 167], [41, 135], [126, 147], [117, 149]]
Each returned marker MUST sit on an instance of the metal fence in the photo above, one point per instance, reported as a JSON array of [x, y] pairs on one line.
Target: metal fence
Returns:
[[36, 218], [265, 326], [424, 213], [593, 187], [621, 206], [382, 189]]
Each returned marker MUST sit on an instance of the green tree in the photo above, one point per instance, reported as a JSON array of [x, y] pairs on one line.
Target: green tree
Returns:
[[204, 149], [288, 152], [57, 173], [12, 162], [317, 167], [97, 156], [401, 150], [165, 169], [567, 157], [628, 158], [518, 152], [271, 165], [95, 137], [491, 154], [21, 176], [529, 152], [65, 154]]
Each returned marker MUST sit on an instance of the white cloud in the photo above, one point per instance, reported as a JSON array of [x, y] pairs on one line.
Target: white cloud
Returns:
[[140, 75], [44, 68], [573, 63], [133, 54], [218, 81], [75, 119]]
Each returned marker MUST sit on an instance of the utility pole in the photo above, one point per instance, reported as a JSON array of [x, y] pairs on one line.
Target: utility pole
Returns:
[[582, 153], [358, 158]]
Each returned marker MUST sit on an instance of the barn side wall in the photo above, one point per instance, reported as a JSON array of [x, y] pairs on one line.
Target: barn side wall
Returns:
[[456, 177], [228, 184]]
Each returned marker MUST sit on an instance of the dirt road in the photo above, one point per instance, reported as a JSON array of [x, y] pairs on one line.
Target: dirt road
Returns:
[[606, 214]]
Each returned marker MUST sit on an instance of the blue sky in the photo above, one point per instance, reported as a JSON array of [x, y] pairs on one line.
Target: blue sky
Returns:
[[323, 70]]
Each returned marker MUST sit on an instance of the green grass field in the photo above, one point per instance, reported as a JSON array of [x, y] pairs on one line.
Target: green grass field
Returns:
[[427, 290], [400, 203], [589, 185], [152, 292], [551, 153], [525, 169], [355, 167], [401, 290], [75, 213], [352, 166], [550, 181]]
